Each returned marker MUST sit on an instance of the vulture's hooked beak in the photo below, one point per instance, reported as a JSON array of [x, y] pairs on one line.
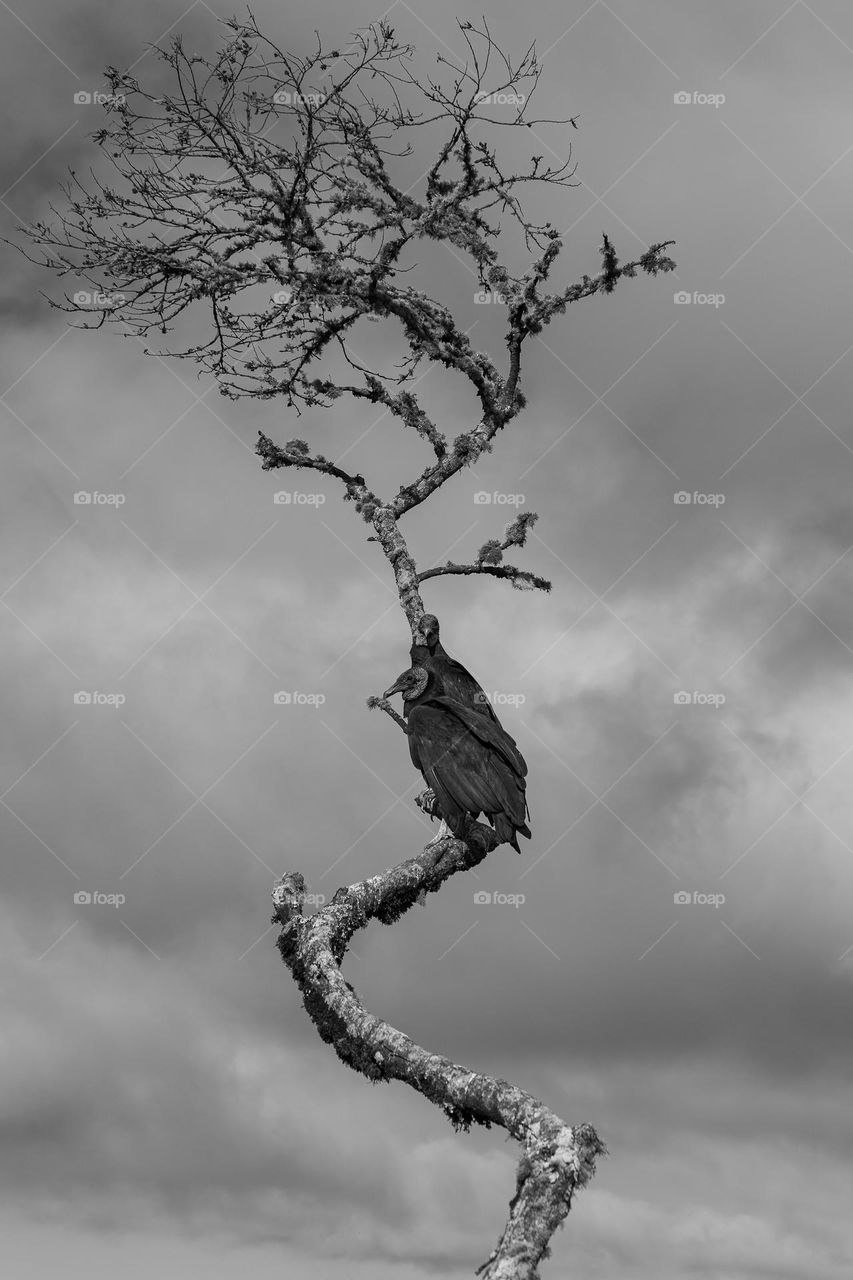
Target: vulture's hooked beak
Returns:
[[397, 687]]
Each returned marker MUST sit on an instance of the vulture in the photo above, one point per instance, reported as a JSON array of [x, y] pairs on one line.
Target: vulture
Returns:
[[458, 683], [471, 764]]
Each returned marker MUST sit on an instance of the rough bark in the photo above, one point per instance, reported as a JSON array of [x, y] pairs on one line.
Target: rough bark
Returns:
[[557, 1159]]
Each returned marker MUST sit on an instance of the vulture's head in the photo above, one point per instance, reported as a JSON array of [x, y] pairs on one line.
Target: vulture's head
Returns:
[[411, 683], [428, 630]]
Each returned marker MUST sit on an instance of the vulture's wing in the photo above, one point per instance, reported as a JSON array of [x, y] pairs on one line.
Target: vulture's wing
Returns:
[[490, 732], [460, 685], [461, 763]]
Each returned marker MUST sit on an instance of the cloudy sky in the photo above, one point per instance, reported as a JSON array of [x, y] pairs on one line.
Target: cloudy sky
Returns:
[[683, 698]]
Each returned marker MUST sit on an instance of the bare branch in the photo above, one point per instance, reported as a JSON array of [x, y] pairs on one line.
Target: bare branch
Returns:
[[490, 555], [519, 578], [404, 406], [295, 454]]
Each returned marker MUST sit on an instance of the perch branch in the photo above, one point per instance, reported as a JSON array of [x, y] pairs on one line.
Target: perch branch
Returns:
[[557, 1159], [385, 705]]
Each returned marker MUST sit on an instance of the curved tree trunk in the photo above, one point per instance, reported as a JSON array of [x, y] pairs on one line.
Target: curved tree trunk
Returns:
[[556, 1158]]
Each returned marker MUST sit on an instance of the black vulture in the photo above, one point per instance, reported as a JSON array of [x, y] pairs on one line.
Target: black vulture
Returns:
[[470, 762], [458, 683]]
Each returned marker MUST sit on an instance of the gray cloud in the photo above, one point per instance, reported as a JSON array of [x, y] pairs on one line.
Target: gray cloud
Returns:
[[161, 1085]]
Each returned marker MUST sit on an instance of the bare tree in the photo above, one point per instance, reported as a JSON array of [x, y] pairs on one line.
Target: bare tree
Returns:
[[290, 244]]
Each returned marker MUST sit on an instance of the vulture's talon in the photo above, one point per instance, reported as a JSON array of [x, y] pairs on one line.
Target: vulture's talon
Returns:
[[426, 802]]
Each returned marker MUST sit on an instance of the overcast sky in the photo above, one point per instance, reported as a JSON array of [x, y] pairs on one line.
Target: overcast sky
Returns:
[[167, 1106]]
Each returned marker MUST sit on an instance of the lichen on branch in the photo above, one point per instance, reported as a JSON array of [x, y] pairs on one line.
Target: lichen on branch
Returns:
[[557, 1159]]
